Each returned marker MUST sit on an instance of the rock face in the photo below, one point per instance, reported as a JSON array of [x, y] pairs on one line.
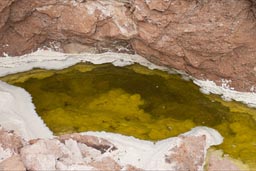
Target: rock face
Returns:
[[106, 151], [208, 39]]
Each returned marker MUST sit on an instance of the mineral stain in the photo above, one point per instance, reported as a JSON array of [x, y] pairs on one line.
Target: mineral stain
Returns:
[[136, 101]]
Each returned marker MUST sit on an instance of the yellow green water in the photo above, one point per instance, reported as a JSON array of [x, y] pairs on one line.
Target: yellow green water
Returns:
[[133, 100]]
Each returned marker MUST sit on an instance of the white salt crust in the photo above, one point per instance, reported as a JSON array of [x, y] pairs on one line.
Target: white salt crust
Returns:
[[151, 156], [18, 112]]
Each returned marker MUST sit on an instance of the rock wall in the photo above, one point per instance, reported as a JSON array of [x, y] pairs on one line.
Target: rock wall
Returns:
[[207, 39]]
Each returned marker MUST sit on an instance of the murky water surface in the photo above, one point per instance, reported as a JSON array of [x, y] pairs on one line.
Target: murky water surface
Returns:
[[133, 100]]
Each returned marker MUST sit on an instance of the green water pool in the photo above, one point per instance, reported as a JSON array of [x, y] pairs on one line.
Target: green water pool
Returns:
[[136, 101]]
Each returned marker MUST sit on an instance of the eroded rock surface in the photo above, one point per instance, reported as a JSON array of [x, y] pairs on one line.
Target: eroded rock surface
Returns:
[[106, 151], [208, 39], [194, 146], [10, 143], [12, 163], [218, 161]]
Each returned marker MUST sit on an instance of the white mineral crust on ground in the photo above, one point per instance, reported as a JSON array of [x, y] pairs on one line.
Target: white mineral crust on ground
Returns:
[[108, 151], [17, 111], [93, 150]]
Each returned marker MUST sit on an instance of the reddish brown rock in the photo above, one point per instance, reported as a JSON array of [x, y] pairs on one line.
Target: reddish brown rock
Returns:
[[13, 163], [4, 4], [131, 168], [106, 163], [68, 152], [36, 155], [189, 155], [208, 39], [160, 5], [10, 144], [9, 140], [100, 144]]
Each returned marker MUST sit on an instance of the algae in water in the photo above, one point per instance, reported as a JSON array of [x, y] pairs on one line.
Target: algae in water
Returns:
[[136, 101]]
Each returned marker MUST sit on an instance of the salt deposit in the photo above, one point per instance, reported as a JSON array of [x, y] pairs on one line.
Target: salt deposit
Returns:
[[18, 112]]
